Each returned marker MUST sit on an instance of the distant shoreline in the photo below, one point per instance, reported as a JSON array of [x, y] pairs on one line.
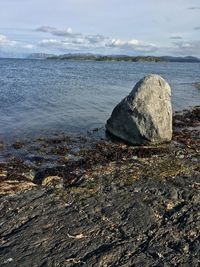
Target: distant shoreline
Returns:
[[109, 58], [115, 58]]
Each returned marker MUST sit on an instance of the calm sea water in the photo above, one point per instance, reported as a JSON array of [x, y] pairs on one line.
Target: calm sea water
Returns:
[[41, 97]]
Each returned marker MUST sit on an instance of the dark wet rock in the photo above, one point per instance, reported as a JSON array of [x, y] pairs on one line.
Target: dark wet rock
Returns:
[[57, 139], [1, 146], [145, 115], [187, 118], [35, 158], [123, 228], [197, 85], [59, 150], [18, 144], [104, 204]]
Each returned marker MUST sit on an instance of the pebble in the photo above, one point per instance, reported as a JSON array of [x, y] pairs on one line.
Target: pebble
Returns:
[[8, 260]]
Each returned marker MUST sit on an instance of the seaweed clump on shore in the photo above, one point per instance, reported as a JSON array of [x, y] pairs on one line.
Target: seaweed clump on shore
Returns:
[[82, 159]]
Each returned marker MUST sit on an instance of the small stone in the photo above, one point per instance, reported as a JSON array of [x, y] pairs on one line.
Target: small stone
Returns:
[[194, 159], [29, 175], [8, 260], [185, 248], [170, 205], [196, 185]]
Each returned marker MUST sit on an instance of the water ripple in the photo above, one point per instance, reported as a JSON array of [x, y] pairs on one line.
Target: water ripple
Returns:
[[38, 96]]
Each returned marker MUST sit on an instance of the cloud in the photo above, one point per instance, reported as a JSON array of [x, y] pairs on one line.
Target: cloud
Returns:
[[27, 46], [194, 8], [66, 32], [61, 41], [79, 41], [45, 29], [5, 42], [132, 45], [71, 36], [187, 48], [197, 28], [175, 37], [72, 41], [79, 44]]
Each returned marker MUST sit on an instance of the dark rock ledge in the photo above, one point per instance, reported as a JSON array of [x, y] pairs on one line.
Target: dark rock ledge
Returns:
[[102, 203]]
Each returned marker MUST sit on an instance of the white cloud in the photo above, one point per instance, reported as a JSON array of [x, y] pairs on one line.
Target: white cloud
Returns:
[[9, 45], [67, 41], [133, 45], [5, 42], [27, 46], [79, 41]]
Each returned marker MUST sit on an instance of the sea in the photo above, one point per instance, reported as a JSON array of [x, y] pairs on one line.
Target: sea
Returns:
[[42, 97]]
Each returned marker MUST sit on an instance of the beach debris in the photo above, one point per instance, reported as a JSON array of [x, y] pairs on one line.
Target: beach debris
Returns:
[[78, 236], [145, 115], [196, 186], [74, 261], [53, 181], [14, 186]]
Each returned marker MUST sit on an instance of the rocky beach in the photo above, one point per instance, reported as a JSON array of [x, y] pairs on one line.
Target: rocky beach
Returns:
[[88, 201], [99, 133]]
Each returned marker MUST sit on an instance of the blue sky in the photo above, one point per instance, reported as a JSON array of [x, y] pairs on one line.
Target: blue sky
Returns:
[[134, 27]]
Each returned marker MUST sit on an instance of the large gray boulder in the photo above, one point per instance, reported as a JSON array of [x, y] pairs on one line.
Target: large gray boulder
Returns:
[[145, 115]]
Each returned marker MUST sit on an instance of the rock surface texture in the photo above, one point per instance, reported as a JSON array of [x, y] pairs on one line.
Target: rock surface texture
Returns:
[[145, 115], [104, 204]]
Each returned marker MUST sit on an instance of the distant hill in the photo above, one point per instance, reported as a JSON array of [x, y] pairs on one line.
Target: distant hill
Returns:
[[94, 57]]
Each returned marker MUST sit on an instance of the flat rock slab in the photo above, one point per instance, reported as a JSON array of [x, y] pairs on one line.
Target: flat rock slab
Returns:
[[150, 223], [111, 205]]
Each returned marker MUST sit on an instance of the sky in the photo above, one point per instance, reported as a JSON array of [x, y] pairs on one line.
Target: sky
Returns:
[[131, 27]]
